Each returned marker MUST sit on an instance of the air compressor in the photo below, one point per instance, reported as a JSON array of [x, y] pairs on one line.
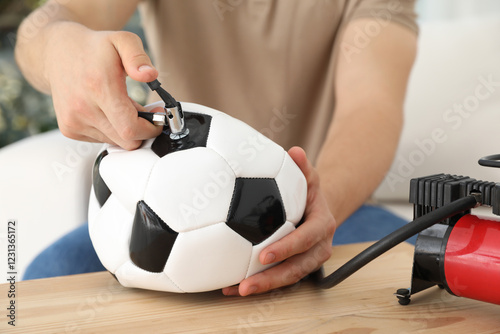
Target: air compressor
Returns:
[[455, 249]]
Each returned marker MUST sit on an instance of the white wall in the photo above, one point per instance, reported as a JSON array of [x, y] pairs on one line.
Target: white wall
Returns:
[[435, 10]]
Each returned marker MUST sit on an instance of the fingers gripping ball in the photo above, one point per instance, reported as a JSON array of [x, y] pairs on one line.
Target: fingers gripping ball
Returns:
[[193, 215]]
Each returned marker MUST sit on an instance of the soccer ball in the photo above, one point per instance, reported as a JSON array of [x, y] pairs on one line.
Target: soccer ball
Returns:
[[193, 215]]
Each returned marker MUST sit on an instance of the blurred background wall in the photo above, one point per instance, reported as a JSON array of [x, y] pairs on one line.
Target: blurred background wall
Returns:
[[24, 111], [435, 10]]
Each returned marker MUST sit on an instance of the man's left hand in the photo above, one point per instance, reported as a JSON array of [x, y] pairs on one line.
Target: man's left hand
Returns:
[[300, 252]]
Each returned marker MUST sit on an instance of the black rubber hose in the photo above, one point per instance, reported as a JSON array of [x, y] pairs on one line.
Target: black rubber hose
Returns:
[[490, 161], [169, 100], [395, 238]]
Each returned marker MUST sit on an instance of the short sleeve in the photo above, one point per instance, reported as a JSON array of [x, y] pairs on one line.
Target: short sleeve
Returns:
[[385, 11]]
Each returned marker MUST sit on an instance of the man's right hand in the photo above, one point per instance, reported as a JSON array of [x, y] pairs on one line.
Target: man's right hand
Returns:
[[75, 52], [85, 71]]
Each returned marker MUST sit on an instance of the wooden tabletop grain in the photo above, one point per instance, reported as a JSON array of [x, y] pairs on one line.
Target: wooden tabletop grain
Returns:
[[364, 303]]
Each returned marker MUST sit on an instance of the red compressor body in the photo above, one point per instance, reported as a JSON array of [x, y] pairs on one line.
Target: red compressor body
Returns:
[[472, 259]]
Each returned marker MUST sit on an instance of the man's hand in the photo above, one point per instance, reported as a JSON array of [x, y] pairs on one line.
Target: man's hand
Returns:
[[302, 251], [86, 73], [74, 52]]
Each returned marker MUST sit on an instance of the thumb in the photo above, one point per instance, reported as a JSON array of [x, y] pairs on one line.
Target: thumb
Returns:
[[135, 61], [298, 155]]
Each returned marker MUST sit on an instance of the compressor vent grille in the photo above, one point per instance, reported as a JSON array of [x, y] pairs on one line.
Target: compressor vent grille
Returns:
[[434, 191]]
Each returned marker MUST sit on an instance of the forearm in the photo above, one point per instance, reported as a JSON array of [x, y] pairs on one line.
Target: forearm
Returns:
[[356, 155], [33, 39], [363, 136]]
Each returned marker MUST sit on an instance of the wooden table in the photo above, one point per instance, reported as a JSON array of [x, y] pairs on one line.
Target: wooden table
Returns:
[[364, 303]]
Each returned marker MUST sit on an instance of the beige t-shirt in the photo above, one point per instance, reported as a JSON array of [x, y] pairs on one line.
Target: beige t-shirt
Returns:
[[270, 63]]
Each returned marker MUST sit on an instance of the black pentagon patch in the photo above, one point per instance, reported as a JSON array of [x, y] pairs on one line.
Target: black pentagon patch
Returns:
[[101, 190], [256, 209], [199, 127], [151, 241]]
